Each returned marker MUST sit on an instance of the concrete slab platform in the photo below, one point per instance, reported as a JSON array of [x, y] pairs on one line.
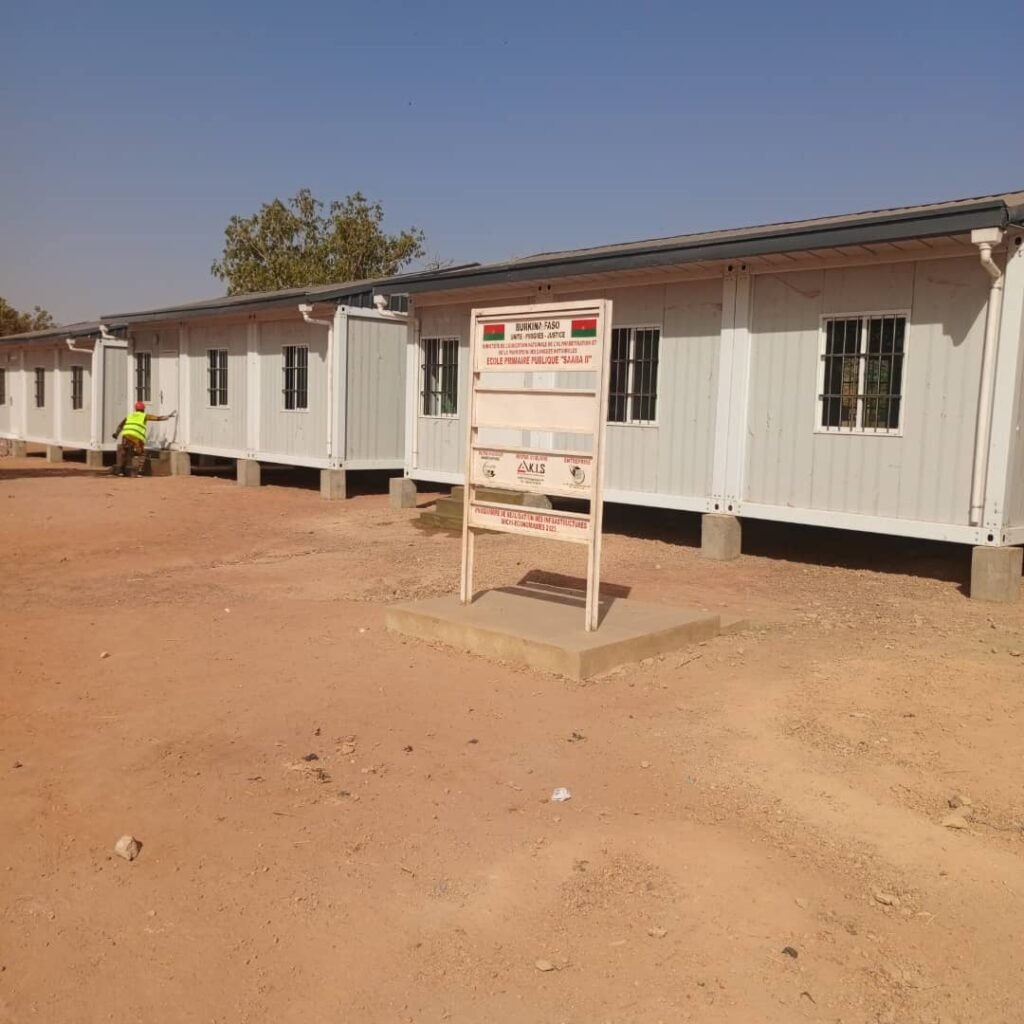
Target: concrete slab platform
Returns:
[[542, 627]]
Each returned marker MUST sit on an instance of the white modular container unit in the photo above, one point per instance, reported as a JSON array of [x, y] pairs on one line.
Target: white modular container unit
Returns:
[[826, 372], [304, 377], [64, 387]]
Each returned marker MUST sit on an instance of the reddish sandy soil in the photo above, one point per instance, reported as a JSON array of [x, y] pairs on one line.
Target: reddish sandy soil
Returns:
[[172, 648]]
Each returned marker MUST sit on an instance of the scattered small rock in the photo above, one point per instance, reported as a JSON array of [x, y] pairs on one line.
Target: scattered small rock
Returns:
[[316, 731], [348, 747], [18, 764], [104, 654], [474, 740], [960, 818], [310, 757], [1014, 654], [958, 800], [657, 933], [544, 965], [801, 903], [576, 737], [128, 847], [645, 764], [887, 899], [789, 951], [407, 749]]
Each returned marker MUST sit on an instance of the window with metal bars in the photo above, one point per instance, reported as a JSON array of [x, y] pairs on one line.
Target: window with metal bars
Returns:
[[143, 376], [40, 387], [296, 377], [217, 376], [440, 368], [77, 387], [3, 386], [633, 380], [862, 373]]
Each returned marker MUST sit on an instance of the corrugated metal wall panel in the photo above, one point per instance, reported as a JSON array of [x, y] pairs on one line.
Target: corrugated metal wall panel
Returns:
[[218, 427], [115, 390], [1015, 484], [12, 379], [923, 474], [375, 427], [295, 431]]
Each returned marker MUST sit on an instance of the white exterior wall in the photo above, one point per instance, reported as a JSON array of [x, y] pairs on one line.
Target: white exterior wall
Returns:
[[39, 422], [376, 393], [75, 424], [10, 364], [925, 473], [296, 432], [671, 459], [217, 428], [440, 441]]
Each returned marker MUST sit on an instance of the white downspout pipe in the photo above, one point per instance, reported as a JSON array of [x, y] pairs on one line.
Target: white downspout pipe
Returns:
[[985, 239], [306, 310]]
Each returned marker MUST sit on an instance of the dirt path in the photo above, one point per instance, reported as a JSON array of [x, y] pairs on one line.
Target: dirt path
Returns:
[[759, 792]]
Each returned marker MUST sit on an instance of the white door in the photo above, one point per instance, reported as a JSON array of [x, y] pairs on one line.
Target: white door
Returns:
[[165, 389]]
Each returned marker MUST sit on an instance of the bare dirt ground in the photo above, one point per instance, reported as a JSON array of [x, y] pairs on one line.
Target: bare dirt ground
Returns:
[[171, 650]]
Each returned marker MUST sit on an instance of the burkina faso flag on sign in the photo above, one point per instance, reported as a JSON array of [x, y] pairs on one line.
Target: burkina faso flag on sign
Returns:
[[584, 328], [494, 332]]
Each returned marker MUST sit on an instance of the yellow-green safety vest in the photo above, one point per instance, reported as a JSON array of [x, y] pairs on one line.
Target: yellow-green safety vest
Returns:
[[135, 426]]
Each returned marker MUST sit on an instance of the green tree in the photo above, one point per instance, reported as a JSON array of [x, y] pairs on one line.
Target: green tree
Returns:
[[299, 243], [14, 322]]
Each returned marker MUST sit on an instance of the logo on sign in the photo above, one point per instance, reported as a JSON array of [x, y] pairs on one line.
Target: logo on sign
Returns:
[[490, 470], [527, 468], [579, 475]]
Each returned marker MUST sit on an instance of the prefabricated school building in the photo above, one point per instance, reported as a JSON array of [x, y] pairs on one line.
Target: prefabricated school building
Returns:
[[862, 372]]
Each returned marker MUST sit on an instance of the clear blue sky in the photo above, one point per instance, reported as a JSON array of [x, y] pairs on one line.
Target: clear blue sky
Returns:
[[131, 132]]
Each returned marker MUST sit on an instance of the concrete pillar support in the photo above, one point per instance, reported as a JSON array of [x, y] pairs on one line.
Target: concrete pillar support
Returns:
[[720, 537], [332, 484], [181, 464], [995, 574], [19, 449], [94, 458], [247, 472], [402, 492], [54, 453]]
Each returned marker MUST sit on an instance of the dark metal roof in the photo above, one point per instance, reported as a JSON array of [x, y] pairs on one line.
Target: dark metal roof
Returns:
[[345, 292], [931, 220], [83, 329]]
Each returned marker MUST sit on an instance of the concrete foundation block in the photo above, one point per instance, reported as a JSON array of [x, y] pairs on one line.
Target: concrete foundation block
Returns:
[[54, 453], [181, 464], [995, 574], [332, 484], [247, 472], [720, 537], [94, 458], [402, 492], [19, 449]]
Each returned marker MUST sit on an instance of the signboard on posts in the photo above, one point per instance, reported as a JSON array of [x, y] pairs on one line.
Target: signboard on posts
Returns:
[[566, 345]]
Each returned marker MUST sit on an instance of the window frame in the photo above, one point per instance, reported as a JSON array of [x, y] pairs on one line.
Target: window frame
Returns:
[[439, 392], [39, 377], [294, 389], [144, 392], [3, 385], [630, 367], [819, 402], [77, 387], [223, 384]]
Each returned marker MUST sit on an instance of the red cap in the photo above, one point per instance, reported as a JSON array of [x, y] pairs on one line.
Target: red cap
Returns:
[[140, 406]]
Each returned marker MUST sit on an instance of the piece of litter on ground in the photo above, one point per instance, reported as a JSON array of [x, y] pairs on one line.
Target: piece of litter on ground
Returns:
[[560, 795]]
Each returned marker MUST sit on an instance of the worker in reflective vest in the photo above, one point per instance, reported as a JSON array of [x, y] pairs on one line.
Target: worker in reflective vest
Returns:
[[133, 438]]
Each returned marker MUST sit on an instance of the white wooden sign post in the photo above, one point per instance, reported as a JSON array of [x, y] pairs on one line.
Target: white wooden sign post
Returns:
[[562, 341]]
